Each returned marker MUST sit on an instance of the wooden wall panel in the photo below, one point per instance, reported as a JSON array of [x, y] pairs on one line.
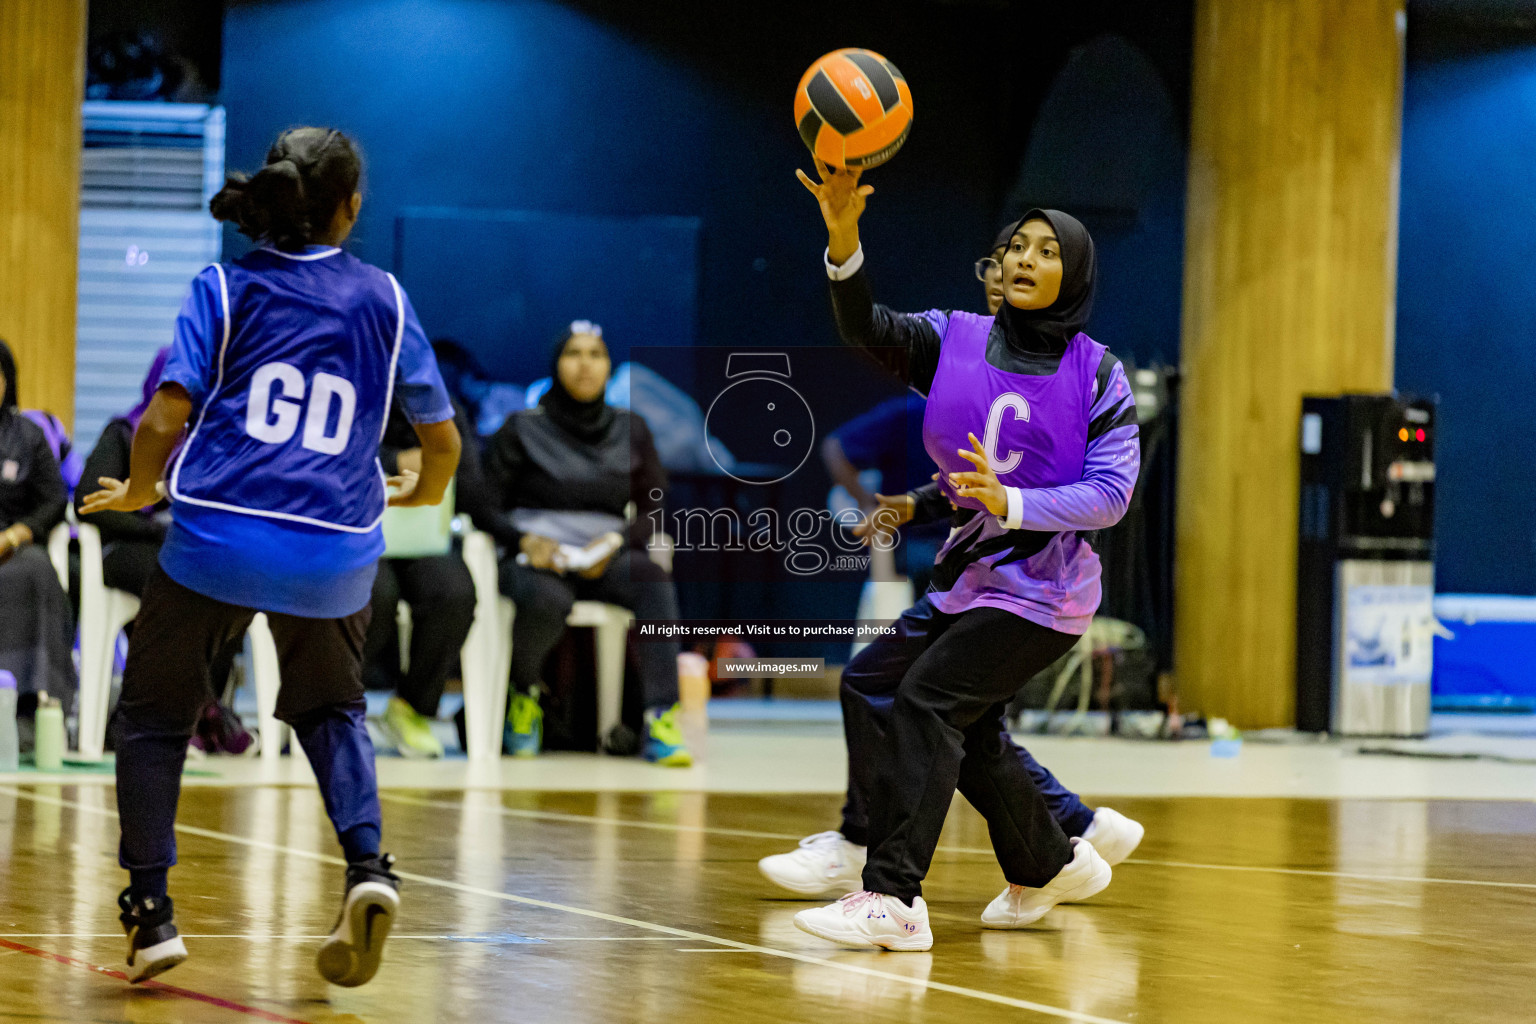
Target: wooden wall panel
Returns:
[[1289, 285], [42, 83]]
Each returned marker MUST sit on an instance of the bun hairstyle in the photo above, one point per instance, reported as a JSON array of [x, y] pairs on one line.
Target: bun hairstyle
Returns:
[[290, 202]]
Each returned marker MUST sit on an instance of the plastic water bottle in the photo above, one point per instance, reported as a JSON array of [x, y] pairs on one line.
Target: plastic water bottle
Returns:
[[50, 734], [10, 744]]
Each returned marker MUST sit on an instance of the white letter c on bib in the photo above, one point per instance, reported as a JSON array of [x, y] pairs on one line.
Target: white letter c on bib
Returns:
[[995, 428]]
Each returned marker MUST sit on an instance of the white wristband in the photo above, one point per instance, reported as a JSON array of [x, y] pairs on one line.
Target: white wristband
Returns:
[[847, 269], [1015, 516]]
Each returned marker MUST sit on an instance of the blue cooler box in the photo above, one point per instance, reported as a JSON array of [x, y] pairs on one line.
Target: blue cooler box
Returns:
[[1491, 663]]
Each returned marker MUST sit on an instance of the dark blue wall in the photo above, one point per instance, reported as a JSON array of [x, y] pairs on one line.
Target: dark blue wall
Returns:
[[610, 108], [1466, 305], [1108, 145], [542, 106], [648, 107]]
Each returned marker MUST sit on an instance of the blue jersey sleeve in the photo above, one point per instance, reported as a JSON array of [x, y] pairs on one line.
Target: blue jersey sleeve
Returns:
[[198, 337], [418, 383]]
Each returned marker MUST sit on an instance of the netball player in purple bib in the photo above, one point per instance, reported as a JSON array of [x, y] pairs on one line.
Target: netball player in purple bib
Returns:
[[833, 862], [277, 389], [1033, 428]]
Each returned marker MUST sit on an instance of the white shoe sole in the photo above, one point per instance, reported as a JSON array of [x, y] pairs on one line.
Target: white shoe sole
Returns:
[[1125, 844], [855, 940], [834, 888], [156, 959], [1091, 886], [351, 955]]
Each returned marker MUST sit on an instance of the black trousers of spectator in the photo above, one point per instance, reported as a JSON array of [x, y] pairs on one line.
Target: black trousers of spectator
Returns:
[[128, 564], [544, 599], [942, 728], [441, 596], [36, 629]]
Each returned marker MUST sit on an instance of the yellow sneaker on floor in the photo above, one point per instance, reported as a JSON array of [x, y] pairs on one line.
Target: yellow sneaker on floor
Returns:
[[523, 733], [664, 742], [412, 732]]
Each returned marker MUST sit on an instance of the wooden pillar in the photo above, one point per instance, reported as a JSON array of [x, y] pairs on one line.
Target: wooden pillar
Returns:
[[1289, 288], [42, 84]]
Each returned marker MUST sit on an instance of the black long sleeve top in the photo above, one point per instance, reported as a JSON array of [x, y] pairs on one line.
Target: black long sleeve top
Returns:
[[32, 491], [532, 463]]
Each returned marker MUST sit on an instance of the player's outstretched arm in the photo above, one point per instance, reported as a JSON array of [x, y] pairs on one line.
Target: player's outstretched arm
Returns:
[[841, 199], [153, 444], [440, 448]]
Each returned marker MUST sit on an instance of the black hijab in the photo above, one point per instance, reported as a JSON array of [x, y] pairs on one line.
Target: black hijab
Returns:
[[8, 403], [1052, 328], [586, 421], [1004, 236]]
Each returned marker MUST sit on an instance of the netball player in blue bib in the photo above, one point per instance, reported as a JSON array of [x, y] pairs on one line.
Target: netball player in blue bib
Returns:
[[276, 392]]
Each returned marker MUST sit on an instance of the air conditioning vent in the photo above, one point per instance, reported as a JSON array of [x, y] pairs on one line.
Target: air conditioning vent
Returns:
[[147, 173]]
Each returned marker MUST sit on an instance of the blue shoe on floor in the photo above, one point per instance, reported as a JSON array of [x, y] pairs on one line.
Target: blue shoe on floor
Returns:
[[664, 741], [523, 735]]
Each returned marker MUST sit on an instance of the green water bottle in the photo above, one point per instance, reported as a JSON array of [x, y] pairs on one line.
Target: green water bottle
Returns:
[[49, 747]]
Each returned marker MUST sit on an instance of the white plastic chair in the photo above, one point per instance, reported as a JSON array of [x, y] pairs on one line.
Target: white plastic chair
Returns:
[[58, 553], [487, 660], [611, 623], [266, 676], [485, 695], [103, 614]]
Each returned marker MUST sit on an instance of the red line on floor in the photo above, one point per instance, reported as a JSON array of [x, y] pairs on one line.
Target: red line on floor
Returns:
[[159, 986]]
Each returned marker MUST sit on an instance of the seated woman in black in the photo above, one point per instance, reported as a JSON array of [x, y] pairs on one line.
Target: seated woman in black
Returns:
[[36, 630], [566, 471]]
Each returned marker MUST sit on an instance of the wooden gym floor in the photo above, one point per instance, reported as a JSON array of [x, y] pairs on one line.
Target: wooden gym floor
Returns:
[[617, 907]]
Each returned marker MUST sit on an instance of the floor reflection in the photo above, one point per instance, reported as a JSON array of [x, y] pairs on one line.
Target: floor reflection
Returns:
[[561, 915]]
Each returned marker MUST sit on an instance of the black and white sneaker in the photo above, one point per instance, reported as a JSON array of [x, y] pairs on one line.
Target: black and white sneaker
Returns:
[[351, 955], [154, 946]]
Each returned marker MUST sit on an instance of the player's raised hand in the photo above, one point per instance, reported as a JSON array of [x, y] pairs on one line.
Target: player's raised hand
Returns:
[[841, 199], [983, 484], [891, 511]]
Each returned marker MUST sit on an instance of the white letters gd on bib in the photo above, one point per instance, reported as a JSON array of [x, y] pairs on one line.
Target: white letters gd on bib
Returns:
[[1000, 405], [273, 418]]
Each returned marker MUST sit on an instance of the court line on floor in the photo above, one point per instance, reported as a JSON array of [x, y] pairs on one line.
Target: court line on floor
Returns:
[[682, 933], [157, 986], [592, 819], [394, 936]]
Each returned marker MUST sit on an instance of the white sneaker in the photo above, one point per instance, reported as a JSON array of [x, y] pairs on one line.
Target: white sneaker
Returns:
[[825, 862], [1019, 905], [869, 919], [1113, 835]]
